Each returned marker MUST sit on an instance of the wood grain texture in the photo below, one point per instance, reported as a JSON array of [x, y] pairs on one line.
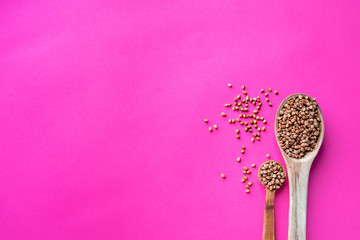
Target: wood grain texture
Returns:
[[298, 174], [269, 225]]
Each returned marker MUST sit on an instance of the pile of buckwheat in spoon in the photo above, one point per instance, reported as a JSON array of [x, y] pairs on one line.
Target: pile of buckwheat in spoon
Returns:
[[272, 175], [298, 126]]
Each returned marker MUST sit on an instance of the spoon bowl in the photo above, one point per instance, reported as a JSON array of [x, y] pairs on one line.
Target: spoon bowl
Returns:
[[310, 156], [260, 168], [298, 174]]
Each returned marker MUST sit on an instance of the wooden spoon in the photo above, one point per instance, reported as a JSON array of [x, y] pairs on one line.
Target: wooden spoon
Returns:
[[269, 222], [298, 174]]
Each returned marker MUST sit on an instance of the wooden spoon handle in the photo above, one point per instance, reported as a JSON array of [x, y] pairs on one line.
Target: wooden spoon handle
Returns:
[[298, 187], [268, 230]]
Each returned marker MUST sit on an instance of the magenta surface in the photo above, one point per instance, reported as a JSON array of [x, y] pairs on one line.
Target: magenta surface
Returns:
[[102, 106]]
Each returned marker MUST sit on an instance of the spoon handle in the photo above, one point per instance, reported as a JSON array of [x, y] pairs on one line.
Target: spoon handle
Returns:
[[268, 230], [298, 187]]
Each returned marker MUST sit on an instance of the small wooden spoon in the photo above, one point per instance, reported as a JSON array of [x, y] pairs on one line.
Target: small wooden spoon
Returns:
[[298, 171], [269, 223]]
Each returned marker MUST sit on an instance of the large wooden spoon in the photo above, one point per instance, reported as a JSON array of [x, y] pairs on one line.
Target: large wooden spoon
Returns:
[[298, 175]]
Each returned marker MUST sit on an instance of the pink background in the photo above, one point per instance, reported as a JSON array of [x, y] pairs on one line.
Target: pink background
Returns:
[[102, 108]]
